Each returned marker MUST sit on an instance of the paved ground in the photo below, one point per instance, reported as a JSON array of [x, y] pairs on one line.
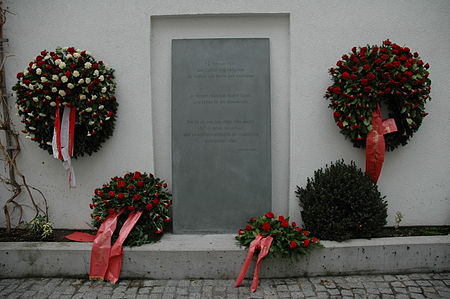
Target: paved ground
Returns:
[[430, 285]]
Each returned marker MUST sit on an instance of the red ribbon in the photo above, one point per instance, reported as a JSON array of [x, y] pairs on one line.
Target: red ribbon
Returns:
[[375, 144], [106, 261], [57, 126], [263, 244]]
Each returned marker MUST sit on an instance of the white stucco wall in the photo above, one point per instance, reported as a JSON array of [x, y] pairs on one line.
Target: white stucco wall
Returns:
[[311, 36]]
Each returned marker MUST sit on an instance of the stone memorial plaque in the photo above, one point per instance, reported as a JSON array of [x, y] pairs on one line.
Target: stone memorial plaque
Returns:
[[221, 160]]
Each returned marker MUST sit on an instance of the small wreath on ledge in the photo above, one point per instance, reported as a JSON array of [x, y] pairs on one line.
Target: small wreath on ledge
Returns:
[[371, 76], [134, 191], [67, 77]]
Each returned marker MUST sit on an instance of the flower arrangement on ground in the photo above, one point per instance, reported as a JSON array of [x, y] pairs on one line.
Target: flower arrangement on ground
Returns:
[[289, 240], [135, 191], [67, 78], [369, 76]]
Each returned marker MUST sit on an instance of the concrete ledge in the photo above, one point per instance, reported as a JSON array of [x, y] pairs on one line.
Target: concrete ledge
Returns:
[[219, 257]]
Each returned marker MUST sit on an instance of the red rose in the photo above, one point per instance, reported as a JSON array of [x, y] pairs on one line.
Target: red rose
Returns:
[[111, 211], [165, 185], [387, 42], [340, 124], [121, 184], [339, 63], [306, 233], [306, 243], [19, 75], [281, 218], [266, 226], [336, 114], [110, 113], [253, 219], [111, 193], [294, 224], [353, 77], [131, 208], [68, 74], [149, 206], [364, 81], [136, 197], [159, 231], [284, 223], [43, 52], [345, 75], [98, 218], [156, 201], [140, 183], [248, 227], [241, 231], [167, 219], [130, 187], [269, 215], [293, 244], [315, 240], [370, 76], [121, 195]]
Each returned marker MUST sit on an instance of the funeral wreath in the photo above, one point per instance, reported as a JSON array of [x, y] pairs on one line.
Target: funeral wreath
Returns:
[[289, 240], [371, 76], [72, 78], [135, 191]]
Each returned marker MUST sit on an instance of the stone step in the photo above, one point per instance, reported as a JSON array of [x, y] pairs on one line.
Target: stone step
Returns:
[[219, 257]]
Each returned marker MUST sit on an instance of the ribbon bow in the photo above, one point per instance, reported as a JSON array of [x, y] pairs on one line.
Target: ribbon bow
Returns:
[[261, 243]]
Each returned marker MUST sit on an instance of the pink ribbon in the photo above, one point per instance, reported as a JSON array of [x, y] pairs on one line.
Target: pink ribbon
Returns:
[[106, 261], [261, 243]]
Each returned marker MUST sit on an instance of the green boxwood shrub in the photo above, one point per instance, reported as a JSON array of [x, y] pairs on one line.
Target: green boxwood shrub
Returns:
[[341, 203]]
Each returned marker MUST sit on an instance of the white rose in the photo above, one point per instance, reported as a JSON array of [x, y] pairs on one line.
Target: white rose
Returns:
[[107, 118], [48, 97], [76, 55], [101, 78], [46, 57], [101, 107], [96, 73], [76, 73], [70, 85], [31, 86], [28, 137], [91, 122], [104, 89], [81, 81], [64, 79], [88, 53], [94, 97], [42, 114], [106, 66], [43, 79], [49, 143], [88, 109], [62, 93], [62, 65], [40, 86], [54, 89], [58, 61], [65, 48], [25, 72], [88, 134], [32, 128], [55, 78], [69, 56], [33, 66], [38, 71], [79, 50], [88, 80], [35, 99], [88, 65], [82, 97]]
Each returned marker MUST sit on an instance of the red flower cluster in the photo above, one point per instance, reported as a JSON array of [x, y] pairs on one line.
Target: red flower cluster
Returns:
[[289, 240], [372, 75], [67, 77], [135, 191]]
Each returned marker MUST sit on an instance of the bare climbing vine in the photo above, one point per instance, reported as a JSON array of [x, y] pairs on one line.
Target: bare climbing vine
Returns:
[[14, 180]]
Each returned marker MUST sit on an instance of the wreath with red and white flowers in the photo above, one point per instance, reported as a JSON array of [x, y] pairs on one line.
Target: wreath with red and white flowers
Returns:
[[134, 191], [67, 77], [379, 75]]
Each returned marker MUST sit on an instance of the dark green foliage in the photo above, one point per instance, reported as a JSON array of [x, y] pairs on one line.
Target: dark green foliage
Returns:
[[341, 203]]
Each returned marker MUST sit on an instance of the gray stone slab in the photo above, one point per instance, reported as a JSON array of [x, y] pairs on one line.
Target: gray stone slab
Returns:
[[221, 154]]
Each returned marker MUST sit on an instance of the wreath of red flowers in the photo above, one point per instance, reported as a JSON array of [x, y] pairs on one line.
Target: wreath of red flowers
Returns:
[[67, 77], [135, 191], [370, 76]]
